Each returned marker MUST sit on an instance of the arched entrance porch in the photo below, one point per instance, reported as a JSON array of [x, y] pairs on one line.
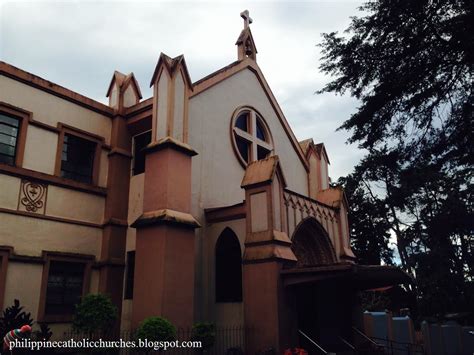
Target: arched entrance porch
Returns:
[[312, 245], [323, 306]]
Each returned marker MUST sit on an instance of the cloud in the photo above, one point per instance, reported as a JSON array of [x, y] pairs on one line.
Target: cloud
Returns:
[[80, 44]]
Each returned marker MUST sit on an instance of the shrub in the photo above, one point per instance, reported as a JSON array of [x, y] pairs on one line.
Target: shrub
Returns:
[[44, 333], [14, 318], [156, 329], [95, 313], [205, 333]]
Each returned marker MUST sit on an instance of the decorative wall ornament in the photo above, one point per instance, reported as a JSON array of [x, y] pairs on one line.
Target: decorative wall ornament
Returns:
[[32, 197]]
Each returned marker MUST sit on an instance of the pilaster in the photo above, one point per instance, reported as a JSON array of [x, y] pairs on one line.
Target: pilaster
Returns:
[[165, 245], [267, 306], [123, 92]]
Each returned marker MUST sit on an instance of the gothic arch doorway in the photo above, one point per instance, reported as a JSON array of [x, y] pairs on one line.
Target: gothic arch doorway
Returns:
[[312, 245]]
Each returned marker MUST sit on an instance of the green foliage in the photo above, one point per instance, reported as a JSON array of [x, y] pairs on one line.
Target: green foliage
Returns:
[[406, 61], [410, 65], [370, 231], [156, 329], [44, 333], [205, 333], [440, 291], [14, 317], [95, 313]]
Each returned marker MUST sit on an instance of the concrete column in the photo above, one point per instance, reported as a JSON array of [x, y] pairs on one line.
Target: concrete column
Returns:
[[123, 92], [267, 305], [165, 255]]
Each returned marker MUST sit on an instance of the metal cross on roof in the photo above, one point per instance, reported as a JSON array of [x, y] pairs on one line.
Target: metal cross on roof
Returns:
[[247, 19]]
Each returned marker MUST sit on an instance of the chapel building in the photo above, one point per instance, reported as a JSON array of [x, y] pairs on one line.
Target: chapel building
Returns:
[[196, 204]]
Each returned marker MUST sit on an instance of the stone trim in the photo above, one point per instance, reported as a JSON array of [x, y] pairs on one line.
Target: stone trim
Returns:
[[166, 216]]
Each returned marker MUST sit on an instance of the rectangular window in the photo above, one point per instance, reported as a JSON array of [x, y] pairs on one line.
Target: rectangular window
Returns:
[[77, 158], [130, 275], [9, 128], [139, 144], [64, 288]]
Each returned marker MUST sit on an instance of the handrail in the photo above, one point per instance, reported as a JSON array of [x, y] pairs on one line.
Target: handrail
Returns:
[[401, 345], [313, 342], [366, 337], [347, 343], [395, 341]]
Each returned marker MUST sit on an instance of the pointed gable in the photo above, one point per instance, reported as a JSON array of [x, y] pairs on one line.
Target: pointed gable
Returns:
[[308, 144], [123, 81], [123, 90], [234, 68], [305, 145], [117, 79], [172, 65], [321, 150]]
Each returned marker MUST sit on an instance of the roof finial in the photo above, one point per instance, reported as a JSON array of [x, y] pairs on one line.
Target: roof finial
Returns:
[[247, 19]]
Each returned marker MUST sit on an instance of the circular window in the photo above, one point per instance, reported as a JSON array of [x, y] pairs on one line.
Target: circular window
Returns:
[[250, 136]]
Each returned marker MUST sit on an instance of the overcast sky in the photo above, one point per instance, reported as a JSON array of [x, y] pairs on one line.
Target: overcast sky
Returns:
[[78, 44]]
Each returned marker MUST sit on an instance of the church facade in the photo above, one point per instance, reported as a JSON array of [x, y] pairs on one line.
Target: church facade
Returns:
[[196, 204]]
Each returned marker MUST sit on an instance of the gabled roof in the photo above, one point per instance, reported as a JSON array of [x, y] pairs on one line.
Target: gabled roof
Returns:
[[236, 67], [123, 81], [171, 65], [261, 171], [306, 144], [319, 148]]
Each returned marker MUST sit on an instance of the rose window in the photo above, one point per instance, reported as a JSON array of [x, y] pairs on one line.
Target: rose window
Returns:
[[251, 136]]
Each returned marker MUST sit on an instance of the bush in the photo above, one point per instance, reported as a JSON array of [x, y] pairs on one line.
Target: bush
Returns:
[[14, 318], [205, 333], [156, 329], [94, 313], [44, 333]]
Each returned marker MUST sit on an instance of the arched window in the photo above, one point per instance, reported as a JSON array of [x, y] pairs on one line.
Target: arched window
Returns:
[[228, 268]]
